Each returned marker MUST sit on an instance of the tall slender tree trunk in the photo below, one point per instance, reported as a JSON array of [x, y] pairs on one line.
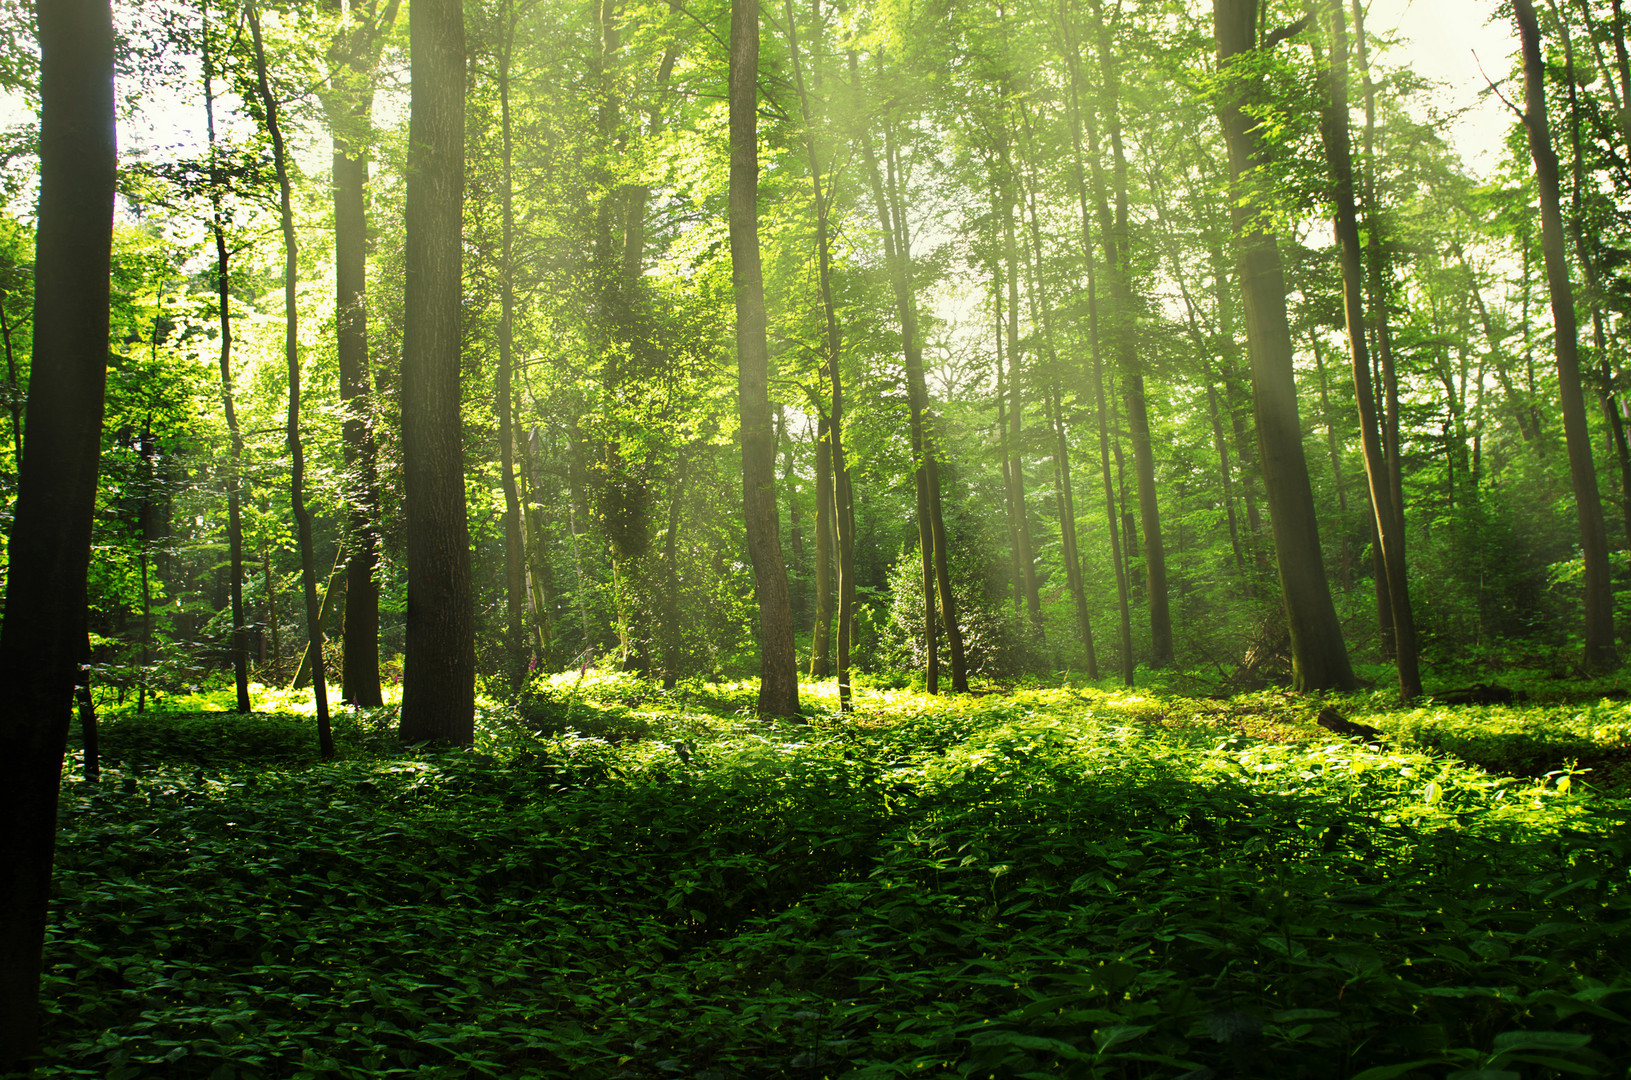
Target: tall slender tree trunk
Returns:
[[1376, 295], [438, 685], [291, 355], [1118, 251], [1319, 658], [1053, 410], [349, 102], [223, 292], [42, 640], [778, 663], [821, 637], [1388, 512], [515, 581], [1588, 260], [1022, 521], [1081, 116], [832, 470], [1599, 600]]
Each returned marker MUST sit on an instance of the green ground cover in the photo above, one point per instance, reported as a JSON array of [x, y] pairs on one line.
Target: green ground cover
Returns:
[[1031, 882]]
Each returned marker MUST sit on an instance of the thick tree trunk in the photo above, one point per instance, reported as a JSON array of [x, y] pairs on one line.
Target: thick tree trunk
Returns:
[[42, 641], [438, 685], [778, 663], [1599, 599], [223, 281], [1318, 656], [291, 355], [1388, 512]]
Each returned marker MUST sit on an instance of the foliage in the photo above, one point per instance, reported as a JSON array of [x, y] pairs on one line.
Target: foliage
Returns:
[[1044, 882]]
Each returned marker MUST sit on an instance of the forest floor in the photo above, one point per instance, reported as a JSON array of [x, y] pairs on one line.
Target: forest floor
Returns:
[[1081, 882]]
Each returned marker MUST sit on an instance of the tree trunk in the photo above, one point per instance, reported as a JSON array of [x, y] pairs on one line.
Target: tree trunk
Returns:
[[1053, 410], [778, 664], [1318, 657], [1118, 253], [291, 354], [438, 686], [1389, 513], [1022, 520], [42, 640], [832, 473], [350, 104], [1599, 600], [515, 584], [821, 637], [1081, 115], [223, 281]]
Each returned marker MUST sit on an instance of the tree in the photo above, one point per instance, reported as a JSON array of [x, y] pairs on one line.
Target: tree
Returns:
[[778, 663], [291, 351], [1388, 513], [1599, 653], [438, 687], [349, 103], [42, 641], [1318, 656], [223, 286]]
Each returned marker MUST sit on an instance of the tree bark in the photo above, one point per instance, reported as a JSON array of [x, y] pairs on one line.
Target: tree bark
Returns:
[[1599, 600], [438, 686], [832, 472], [1118, 252], [1319, 658], [42, 641], [350, 104], [223, 292], [291, 355], [1016, 480], [515, 584], [1388, 512], [1081, 116], [778, 663]]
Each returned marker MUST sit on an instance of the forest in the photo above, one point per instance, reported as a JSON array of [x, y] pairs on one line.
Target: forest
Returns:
[[678, 538]]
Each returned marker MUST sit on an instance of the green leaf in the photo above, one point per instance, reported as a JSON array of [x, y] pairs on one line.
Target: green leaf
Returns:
[[1539, 1040], [1105, 1038], [1388, 1072]]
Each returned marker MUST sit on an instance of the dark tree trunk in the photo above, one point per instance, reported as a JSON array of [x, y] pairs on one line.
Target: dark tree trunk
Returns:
[[90, 741], [223, 292], [1318, 656], [1388, 511], [350, 104], [778, 663], [1599, 653], [42, 641], [438, 685], [291, 354]]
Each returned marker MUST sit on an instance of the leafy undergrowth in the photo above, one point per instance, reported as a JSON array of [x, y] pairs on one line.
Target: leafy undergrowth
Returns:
[[627, 883]]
